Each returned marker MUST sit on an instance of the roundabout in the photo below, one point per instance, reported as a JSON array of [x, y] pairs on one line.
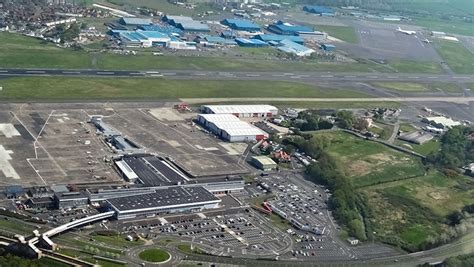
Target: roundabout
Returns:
[[155, 255]]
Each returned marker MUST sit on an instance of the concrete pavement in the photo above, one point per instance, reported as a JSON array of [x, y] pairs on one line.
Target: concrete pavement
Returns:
[[242, 75]]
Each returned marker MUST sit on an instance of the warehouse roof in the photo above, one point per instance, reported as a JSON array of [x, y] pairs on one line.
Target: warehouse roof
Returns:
[[294, 48], [192, 25], [264, 160], [135, 21], [176, 19], [168, 29], [241, 24], [290, 28], [318, 9], [245, 41], [279, 38], [123, 166], [173, 197], [232, 125], [447, 122], [153, 34], [152, 171], [233, 109]]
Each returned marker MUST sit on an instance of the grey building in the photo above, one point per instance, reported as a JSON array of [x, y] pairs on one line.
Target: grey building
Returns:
[[70, 200]]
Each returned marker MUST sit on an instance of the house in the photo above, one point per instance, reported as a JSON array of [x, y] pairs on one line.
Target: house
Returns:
[[353, 241], [281, 156]]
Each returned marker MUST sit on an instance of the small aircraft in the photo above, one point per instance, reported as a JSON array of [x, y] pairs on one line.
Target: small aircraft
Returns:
[[406, 31], [427, 41]]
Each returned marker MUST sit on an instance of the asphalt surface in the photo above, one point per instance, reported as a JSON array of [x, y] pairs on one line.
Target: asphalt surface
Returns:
[[243, 75]]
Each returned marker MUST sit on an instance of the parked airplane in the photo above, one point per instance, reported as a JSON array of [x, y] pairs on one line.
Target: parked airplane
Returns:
[[427, 41], [406, 31]]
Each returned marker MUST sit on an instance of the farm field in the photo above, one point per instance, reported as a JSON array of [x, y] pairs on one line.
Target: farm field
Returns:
[[60, 88], [368, 163], [423, 149]]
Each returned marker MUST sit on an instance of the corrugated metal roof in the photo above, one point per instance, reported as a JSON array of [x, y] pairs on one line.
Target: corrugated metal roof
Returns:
[[294, 48], [264, 160], [192, 26], [123, 166], [241, 24], [278, 38], [232, 125], [285, 27], [232, 109], [153, 34], [244, 41], [136, 21]]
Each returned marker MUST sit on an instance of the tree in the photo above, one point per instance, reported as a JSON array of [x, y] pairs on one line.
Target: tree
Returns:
[[345, 119], [361, 124]]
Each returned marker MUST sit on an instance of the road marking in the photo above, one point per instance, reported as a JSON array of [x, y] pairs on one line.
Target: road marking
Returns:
[[152, 72], [392, 77], [432, 77], [3, 71], [199, 74], [372, 77], [156, 75], [327, 76], [136, 73], [71, 72], [252, 75], [461, 77], [288, 73], [105, 72], [295, 77], [413, 77], [35, 71]]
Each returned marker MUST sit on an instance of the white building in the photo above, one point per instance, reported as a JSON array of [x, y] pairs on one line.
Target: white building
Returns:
[[441, 122], [230, 128], [242, 111]]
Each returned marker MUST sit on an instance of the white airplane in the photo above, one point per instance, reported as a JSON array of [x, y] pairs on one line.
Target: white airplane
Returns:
[[427, 41], [406, 31]]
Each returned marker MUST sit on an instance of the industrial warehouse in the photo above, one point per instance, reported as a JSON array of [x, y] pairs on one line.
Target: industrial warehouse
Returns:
[[231, 128], [242, 111]]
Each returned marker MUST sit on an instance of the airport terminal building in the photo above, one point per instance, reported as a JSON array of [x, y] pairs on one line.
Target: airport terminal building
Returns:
[[163, 201]]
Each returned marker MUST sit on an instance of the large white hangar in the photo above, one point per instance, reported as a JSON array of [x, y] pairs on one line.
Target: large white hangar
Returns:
[[242, 111], [230, 128]]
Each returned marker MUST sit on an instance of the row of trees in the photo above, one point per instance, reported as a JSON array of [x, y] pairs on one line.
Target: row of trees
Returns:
[[347, 204]]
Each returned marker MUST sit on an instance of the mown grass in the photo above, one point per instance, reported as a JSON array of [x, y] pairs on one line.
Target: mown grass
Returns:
[[344, 33], [15, 226], [154, 255], [383, 130], [118, 241], [18, 51], [412, 87], [459, 59], [422, 149], [86, 88]]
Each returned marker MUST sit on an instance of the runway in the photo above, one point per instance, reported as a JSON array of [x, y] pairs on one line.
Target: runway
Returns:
[[243, 75]]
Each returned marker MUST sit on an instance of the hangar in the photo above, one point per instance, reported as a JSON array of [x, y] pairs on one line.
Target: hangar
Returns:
[[283, 28], [241, 111], [279, 38], [241, 25], [319, 10], [250, 42], [230, 128], [163, 201], [135, 21]]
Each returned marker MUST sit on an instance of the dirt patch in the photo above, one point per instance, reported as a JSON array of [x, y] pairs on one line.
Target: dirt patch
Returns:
[[438, 195], [359, 168]]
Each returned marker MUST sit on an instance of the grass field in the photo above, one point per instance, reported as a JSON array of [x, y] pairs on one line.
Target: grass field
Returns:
[[343, 33], [459, 59], [60, 88], [423, 149], [419, 87], [368, 163], [118, 241], [407, 127], [18, 51], [160, 5], [154, 255], [383, 130], [408, 212], [15, 226], [449, 26]]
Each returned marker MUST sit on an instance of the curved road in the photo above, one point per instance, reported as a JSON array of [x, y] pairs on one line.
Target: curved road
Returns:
[[242, 75]]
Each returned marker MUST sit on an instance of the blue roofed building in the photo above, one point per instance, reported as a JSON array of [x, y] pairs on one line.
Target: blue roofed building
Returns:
[[135, 21], [140, 38], [192, 26], [241, 25], [215, 41], [168, 29], [278, 38], [291, 47], [328, 47], [287, 28], [174, 20], [320, 10], [250, 42]]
